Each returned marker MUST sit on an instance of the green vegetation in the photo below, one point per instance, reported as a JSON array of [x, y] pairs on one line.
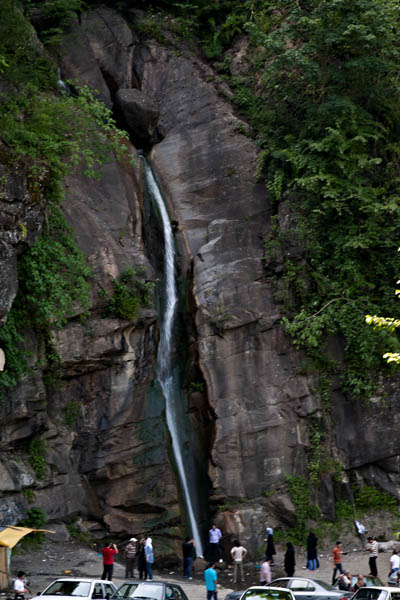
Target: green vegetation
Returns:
[[367, 501], [328, 136], [29, 495], [35, 518], [71, 413], [55, 15], [37, 457], [300, 494], [130, 293], [316, 97], [197, 386], [45, 134]]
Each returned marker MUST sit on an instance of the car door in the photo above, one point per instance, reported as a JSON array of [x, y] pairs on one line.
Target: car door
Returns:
[[302, 589]]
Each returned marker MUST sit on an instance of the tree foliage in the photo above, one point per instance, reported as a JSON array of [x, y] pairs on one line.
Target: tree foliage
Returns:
[[329, 138], [49, 133]]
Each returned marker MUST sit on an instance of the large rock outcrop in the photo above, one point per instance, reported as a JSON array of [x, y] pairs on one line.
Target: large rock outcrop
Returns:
[[103, 425]]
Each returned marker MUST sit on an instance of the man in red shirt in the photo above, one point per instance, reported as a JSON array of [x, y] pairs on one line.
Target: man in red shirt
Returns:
[[108, 560], [337, 560]]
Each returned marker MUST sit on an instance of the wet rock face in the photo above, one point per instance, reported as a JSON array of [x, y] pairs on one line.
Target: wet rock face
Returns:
[[207, 170], [260, 397]]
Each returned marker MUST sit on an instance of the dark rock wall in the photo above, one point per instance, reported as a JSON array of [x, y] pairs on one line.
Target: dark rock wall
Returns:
[[114, 465]]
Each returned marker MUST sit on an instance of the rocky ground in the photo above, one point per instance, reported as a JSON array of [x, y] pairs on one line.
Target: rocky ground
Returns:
[[53, 560]]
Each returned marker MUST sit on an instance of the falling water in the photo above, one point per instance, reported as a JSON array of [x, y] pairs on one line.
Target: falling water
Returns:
[[164, 358]]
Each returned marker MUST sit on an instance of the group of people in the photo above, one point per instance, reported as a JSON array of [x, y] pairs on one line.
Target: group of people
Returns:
[[142, 552], [371, 547]]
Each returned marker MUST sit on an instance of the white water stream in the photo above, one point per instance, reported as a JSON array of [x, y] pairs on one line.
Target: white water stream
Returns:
[[164, 357]]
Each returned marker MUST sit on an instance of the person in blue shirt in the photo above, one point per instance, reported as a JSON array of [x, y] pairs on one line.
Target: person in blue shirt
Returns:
[[214, 535], [211, 578]]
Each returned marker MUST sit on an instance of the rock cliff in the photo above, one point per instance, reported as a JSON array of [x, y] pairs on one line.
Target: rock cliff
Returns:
[[114, 464]]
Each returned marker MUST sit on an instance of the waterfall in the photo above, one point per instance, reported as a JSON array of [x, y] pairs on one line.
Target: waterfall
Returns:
[[165, 373]]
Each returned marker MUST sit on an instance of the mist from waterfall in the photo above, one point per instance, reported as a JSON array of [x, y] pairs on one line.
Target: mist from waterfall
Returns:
[[165, 371]]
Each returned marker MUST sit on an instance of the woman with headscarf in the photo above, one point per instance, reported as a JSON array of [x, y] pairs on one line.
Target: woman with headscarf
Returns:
[[312, 558], [148, 551], [289, 560], [270, 549]]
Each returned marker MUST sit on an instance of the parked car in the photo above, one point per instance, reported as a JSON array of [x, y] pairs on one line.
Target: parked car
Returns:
[[310, 589], [86, 589], [393, 580], [377, 593], [370, 580], [263, 592], [153, 590]]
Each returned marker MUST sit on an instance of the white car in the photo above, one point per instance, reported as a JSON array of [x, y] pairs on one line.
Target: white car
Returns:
[[261, 592], [84, 589], [377, 593]]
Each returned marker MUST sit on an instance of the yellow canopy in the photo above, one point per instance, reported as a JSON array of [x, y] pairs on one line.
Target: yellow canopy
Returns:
[[11, 535]]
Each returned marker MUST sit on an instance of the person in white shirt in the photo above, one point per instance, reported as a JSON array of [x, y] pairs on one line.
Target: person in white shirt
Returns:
[[238, 553], [372, 548], [394, 563], [265, 572], [19, 586], [214, 535]]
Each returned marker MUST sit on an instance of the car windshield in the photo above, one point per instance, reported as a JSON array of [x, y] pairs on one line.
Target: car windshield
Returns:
[[68, 588], [326, 586], [148, 590], [267, 594], [370, 594]]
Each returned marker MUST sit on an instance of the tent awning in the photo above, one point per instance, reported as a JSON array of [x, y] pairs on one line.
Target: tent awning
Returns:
[[11, 535]]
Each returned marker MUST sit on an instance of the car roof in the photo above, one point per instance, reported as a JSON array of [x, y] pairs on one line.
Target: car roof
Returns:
[[150, 582], [268, 587], [88, 579], [382, 587]]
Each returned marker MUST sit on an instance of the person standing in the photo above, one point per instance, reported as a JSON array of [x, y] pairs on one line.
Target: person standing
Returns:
[[372, 548], [142, 560], [130, 555], [265, 572], [337, 560], [108, 553], [19, 586], [214, 535], [149, 554], [270, 548], [188, 552], [312, 541], [238, 553], [289, 560], [360, 532], [211, 578], [394, 563]]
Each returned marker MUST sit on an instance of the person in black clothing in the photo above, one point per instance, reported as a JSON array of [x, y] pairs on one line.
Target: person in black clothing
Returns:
[[312, 558], [270, 549], [188, 556], [142, 560], [289, 560]]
